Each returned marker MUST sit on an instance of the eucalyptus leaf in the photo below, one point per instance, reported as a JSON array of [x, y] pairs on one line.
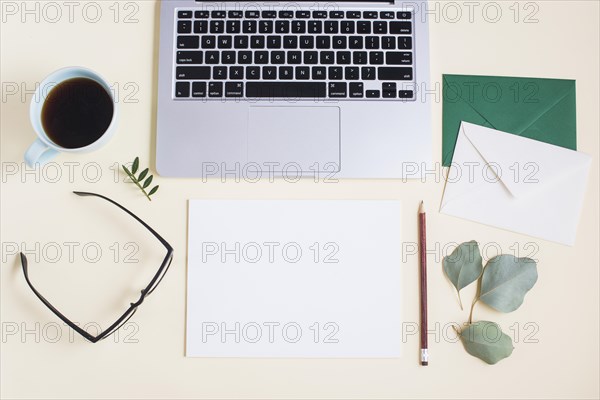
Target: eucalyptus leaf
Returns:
[[154, 189], [486, 341], [463, 266], [136, 165], [143, 175], [147, 182], [505, 281]]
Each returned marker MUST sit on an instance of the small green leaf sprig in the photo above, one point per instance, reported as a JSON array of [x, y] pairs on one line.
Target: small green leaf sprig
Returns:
[[502, 285], [143, 180]]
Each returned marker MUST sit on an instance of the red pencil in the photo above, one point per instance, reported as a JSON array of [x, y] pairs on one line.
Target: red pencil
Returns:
[[423, 262]]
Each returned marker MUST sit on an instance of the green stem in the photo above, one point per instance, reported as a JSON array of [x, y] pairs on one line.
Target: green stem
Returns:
[[138, 185], [472, 307]]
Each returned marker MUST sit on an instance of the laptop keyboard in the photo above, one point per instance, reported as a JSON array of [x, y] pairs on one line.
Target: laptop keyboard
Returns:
[[366, 55]]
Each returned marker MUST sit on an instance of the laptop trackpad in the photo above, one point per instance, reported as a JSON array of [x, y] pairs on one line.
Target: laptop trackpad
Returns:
[[293, 138]]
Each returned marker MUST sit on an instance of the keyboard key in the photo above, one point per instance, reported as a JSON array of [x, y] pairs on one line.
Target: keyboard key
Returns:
[[217, 26], [286, 14], [389, 95], [252, 72], [307, 42], [302, 73], [294, 57], [363, 27], [208, 42], [286, 73], [233, 26], [290, 42], [269, 14], [298, 26], [380, 27], [400, 27], [388, 42], [376, 57], [251, 14], [319, 14], [225, 42], [370, 14], [336, 14], [359, 57], [331, 27], [351, 73], [212, 57], [186, 73], [269, 73], [372, 94], [215, 89], [315, 26], [189, 57], [372, 42], [356, 89], [182, 89], [353, 14], [327, 57], [335, 73], [394, 73], [282, 26], [404, 43], [404, 15], [249, 26], [318, 73], [257, 42], [355, 42], [367, 73], [234, 89], [200, 26], [228, 57], [386, 15], [388, 87], [347, 27], [217, 14], [265, 26], [184, 14], [201, 14], [398, 58], [236, 72], [338, 89], [235, 14], [261, 57], [199, 89], [240, 42], [286, 89], [405, 94], [339, 42], [188, 42], [343, 57], [219, 72], [184, 26], [245, 57], [273, 42], [302, 14], [323, 42], [278, 57], [311, 57]]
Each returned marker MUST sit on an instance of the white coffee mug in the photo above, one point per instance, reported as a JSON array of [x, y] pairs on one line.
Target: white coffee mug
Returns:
[[44, 149]]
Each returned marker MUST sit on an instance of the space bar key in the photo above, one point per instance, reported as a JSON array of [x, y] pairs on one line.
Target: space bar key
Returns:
[[286, 89]]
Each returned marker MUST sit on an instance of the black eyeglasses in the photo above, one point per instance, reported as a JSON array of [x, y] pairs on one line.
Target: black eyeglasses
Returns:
[[166, 263]]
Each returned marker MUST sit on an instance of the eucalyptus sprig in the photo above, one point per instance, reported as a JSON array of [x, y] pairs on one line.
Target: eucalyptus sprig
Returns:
[[501, 284], [143, 180]]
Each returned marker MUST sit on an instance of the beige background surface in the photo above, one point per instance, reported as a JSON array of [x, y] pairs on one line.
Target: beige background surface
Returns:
[[556, 331]]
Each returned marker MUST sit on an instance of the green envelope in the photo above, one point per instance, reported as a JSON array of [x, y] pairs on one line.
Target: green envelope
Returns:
[[540, 109]]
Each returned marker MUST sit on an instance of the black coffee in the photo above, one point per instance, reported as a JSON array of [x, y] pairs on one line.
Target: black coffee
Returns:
[[77, 112]]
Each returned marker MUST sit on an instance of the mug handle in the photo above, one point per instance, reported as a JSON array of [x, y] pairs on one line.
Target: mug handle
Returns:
[[39, 153]]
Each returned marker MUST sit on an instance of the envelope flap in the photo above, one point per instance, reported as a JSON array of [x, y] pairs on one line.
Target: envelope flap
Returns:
[[522, 165]]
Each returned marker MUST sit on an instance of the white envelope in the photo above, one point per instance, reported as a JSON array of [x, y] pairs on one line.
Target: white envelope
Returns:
[[516, 183]]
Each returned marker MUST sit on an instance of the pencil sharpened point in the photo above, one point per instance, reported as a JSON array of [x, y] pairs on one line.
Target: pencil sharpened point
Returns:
[[421, 207]]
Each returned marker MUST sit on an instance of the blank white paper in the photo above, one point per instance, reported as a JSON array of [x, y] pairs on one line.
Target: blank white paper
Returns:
[[294, 278]]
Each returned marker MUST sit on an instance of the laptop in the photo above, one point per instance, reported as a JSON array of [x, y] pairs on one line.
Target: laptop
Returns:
[[249, 90]]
